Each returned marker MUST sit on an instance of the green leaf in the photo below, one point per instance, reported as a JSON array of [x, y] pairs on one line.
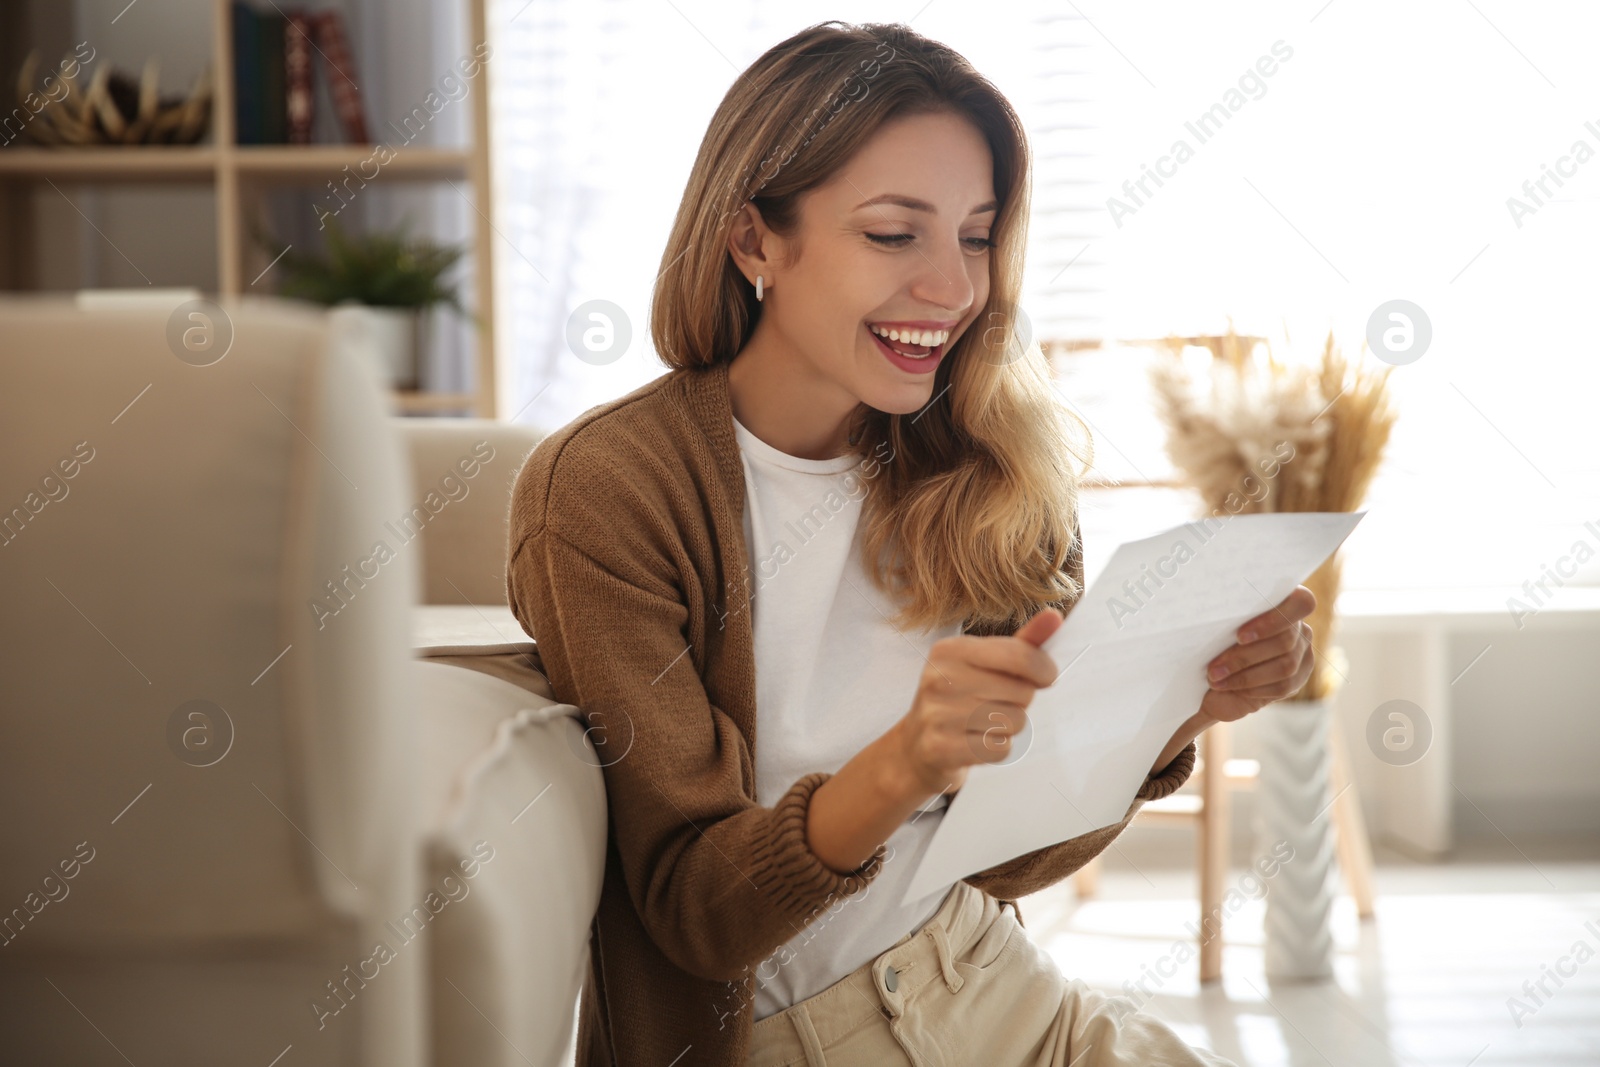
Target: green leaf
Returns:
[[382, 269]]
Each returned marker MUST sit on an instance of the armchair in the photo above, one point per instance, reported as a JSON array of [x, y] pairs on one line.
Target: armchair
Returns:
[[243, 821]]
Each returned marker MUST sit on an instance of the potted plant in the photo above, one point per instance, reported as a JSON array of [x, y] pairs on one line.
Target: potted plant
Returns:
[[386, 281]]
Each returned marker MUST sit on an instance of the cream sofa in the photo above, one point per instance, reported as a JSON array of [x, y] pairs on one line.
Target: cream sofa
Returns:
[[244, 821]]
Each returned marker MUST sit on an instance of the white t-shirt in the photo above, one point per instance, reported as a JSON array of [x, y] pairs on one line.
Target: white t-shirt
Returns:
[[832, 675]]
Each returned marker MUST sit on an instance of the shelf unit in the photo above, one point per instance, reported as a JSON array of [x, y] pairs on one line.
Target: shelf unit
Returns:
[[241, 173]]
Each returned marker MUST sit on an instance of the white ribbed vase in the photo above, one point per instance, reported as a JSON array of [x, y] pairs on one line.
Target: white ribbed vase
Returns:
[[1293, 807]]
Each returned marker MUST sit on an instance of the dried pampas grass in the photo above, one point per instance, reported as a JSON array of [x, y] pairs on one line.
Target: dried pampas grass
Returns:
[[1256, 433]]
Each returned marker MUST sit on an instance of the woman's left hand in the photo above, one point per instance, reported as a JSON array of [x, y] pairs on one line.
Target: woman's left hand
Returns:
[[1276, 663]]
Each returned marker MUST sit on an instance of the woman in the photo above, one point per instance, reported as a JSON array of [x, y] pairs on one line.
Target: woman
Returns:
[[798, 586]]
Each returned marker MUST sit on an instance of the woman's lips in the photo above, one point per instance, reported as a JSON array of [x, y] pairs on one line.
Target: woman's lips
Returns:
[[923, 365]]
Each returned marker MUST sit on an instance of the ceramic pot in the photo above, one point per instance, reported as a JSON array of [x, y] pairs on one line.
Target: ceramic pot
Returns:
[[1294, 808], [391, 336]]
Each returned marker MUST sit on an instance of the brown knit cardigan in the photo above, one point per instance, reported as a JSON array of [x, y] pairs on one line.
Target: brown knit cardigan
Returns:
[[627, 567]]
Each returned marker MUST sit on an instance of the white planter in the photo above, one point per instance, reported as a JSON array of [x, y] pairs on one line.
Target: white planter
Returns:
[[391, 338], [1294, 808]]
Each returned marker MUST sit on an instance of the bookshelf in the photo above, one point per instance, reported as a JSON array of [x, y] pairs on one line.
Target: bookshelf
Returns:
[[240, 174]]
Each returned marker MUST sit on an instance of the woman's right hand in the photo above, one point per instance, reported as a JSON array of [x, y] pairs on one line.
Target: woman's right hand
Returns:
[[971, 701]]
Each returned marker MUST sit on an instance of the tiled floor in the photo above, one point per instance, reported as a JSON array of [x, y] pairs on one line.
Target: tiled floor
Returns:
[[1426, 981]]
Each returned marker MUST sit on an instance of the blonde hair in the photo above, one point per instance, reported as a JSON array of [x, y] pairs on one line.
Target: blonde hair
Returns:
[[973, 512]]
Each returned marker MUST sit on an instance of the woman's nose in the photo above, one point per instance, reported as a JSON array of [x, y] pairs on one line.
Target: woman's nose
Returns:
[[942, 279]]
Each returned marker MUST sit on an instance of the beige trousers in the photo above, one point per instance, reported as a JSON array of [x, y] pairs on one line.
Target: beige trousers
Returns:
[[969, 987]]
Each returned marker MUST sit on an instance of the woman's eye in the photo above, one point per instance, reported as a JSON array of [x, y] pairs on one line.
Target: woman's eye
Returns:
[[977, 244]]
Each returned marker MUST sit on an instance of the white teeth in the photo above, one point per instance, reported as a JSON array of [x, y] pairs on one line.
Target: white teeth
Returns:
[[927, 338]]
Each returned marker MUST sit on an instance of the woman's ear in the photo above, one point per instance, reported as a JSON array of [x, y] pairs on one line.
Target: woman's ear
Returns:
[[750, 243]]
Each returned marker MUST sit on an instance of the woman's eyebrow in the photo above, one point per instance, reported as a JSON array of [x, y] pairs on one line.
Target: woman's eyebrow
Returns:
[[921, 205]]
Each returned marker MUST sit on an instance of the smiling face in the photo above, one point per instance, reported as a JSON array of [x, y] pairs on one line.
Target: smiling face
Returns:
[[898, 240]]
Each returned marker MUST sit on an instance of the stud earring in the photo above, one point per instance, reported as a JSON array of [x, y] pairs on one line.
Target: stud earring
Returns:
[[759, 281]]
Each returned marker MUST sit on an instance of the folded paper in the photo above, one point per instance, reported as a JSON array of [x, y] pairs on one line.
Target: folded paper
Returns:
[[1132, 658]]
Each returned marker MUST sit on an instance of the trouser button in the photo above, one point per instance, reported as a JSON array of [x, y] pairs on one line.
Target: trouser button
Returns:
[[891, 980]]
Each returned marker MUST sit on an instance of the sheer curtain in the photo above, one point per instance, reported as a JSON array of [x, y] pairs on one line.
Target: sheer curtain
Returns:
[[1375, 162]]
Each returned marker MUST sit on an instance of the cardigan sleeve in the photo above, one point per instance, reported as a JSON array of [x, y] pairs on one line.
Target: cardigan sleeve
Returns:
[[718, 881], [1044, 867]]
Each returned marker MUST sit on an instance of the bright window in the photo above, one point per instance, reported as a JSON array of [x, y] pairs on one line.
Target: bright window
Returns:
[[1374, 162]]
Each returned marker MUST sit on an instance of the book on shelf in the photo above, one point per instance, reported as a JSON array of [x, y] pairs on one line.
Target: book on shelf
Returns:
[[339, 67], [300, 102], [248, 81], [273, 62], [274, 121]]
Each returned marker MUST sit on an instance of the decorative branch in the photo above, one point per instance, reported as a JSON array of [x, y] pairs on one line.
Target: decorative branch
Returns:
[[114, 108]]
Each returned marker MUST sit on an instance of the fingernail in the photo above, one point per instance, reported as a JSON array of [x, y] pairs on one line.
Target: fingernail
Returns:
[[1218, 673], [1246, 636]]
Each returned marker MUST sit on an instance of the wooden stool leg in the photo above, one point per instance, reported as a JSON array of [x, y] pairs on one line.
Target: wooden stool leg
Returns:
[[1087, 879], [1213, 847], [1349, 828]]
